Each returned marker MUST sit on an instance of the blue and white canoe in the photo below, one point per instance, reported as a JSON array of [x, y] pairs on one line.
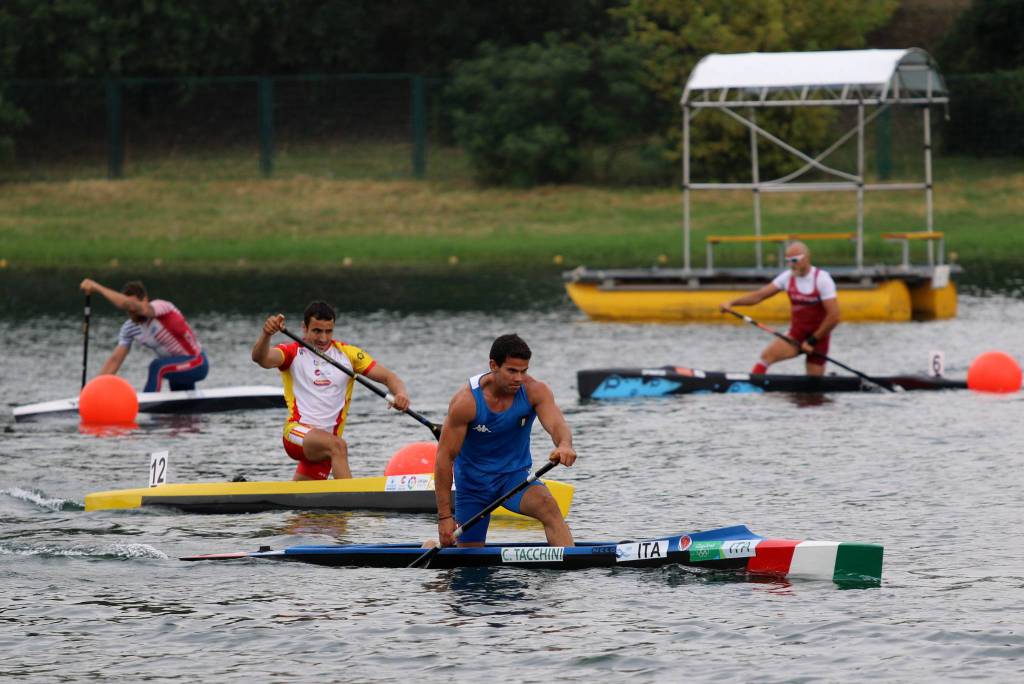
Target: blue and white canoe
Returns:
[[183, 401], [626, 383], [735, 549]]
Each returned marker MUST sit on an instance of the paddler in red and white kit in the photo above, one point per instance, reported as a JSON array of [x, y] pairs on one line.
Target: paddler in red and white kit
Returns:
[[814, 311]]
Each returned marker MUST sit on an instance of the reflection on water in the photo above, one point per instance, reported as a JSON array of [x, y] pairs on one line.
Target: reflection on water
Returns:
[[332, 524], [808, 399], [50, 292], [107, 430], [992, 278], [493, 586], [180, 424], [133, 604], [29, 294]]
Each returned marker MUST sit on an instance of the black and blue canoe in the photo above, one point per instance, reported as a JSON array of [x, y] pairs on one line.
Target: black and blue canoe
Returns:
[[626, 383], [734, 549]]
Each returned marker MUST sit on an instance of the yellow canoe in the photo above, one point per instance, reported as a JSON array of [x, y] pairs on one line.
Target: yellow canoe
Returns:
[[398, 493]]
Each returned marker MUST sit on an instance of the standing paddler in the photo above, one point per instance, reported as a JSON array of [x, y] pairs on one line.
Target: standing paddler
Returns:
[[814, 311], [485, 448]]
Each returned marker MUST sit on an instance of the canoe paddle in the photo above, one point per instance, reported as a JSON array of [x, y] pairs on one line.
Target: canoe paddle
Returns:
[[433, 551], [796, 344], [85, 343], [434, 427]]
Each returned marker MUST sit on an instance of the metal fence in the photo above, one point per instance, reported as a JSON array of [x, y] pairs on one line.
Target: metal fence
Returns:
[[363, 126]]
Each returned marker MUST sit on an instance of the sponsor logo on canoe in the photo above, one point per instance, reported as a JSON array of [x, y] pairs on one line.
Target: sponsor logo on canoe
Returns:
[[699, 373], [737, 376], [645, 550], [653, 371], [601, 550], [409, 483], [532, 554], [684, 542], [686, 372], [720, 550]]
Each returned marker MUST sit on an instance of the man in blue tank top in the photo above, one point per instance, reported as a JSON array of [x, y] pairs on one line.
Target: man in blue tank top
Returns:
[[485, 447]]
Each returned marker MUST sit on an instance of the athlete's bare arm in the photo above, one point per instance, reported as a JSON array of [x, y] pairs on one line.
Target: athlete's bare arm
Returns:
[[752, 298], [113, 363], [461, 411], [262, 353], [134, 306], [551, 418], [394, 384]]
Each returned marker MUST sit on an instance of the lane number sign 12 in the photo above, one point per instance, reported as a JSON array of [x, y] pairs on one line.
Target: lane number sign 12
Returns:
[[158, 468]]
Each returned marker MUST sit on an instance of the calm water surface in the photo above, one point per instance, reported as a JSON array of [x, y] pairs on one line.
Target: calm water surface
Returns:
[[936, 478]]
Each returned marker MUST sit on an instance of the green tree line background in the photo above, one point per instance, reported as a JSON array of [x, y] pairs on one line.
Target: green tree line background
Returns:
[[533, 91]]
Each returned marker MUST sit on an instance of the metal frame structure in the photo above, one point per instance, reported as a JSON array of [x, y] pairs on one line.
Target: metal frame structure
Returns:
[[848, 78]]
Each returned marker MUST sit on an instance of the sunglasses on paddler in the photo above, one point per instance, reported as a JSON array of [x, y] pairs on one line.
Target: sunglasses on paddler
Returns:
[[794, 259]]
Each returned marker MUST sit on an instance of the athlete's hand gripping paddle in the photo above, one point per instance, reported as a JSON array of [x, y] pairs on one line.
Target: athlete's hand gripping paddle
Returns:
[[430, 553]]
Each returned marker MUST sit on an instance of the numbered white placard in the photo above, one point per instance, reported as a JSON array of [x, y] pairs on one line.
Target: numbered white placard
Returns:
[[158, 468], [936, 364], [940, 277]]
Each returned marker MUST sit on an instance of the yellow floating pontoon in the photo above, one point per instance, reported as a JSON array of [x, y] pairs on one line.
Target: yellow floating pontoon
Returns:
[[736, 87]]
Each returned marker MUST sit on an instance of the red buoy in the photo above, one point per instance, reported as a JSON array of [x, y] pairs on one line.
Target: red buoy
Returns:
[[413, 459], [108, 400], [994, 371]]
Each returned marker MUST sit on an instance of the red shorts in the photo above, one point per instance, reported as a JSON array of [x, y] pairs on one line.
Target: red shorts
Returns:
[[294, 436], [801, 334]]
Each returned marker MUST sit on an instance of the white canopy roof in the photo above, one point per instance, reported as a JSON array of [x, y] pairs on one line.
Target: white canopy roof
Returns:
[[836, 77]]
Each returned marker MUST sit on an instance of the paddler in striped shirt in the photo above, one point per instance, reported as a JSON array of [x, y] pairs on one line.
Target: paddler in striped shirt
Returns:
[[485, 447], [814, 310], [317, 393], [159, 326]]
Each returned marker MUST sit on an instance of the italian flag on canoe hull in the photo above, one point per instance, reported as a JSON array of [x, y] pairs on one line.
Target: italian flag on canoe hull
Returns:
[[839, 561]]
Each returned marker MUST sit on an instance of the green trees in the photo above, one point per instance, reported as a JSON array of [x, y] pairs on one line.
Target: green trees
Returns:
[[678, 33], [539, 91], [984, 55], [528, 114], [986, 37]]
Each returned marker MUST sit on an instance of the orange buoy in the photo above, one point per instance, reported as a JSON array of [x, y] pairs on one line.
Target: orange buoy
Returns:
[[413, 459], [108, 400], [994, 371]]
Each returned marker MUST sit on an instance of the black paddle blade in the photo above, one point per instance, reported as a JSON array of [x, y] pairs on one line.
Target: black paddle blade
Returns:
[[424, 558]]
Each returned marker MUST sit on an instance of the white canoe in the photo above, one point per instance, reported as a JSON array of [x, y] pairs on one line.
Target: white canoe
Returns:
[[187, 401]]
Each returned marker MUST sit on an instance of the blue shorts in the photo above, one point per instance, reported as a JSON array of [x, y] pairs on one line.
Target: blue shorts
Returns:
[[181, 372], [475, 491]]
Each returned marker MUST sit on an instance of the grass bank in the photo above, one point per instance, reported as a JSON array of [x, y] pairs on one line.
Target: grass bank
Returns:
[[302, 222]]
